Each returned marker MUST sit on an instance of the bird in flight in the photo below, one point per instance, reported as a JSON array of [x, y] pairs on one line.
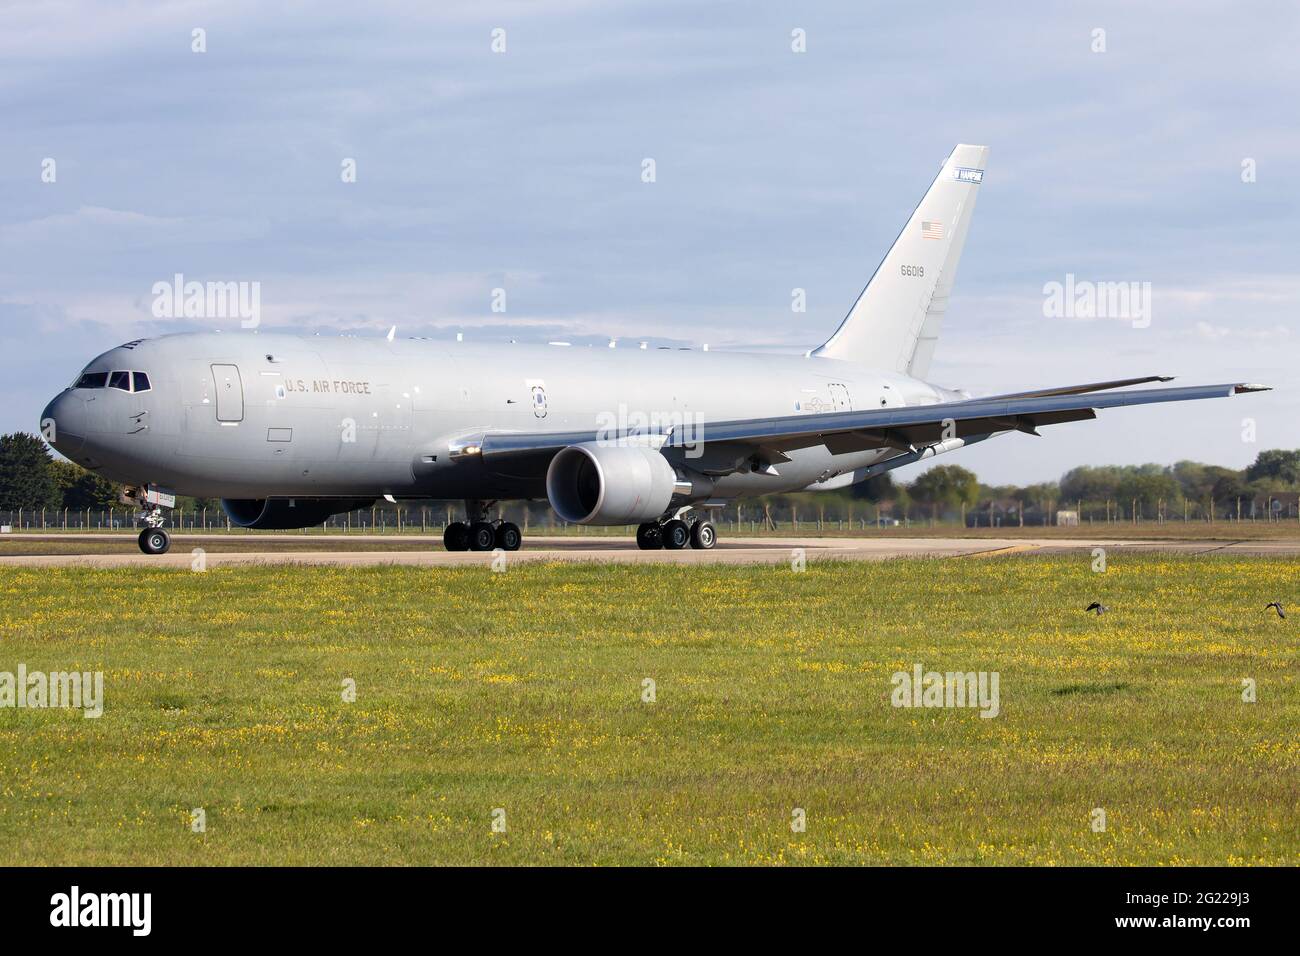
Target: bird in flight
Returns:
[[1277, 606], [1098, 607]]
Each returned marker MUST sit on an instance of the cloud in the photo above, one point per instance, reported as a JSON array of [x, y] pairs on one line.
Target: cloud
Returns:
[[88, 223], [1215, 333]]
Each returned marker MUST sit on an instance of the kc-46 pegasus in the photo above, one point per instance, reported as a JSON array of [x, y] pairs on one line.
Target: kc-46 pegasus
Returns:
[[290, 430]]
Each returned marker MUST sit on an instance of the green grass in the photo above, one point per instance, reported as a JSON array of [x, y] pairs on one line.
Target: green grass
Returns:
[[522, 690]]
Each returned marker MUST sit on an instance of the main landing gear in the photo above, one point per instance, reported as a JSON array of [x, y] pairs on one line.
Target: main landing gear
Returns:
[[481, 534], [675, 534]]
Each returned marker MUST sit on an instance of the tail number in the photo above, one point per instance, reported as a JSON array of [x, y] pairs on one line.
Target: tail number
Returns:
[[912, 270]]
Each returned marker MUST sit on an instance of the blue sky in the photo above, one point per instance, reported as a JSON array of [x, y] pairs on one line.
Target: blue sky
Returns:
[[775, 170]]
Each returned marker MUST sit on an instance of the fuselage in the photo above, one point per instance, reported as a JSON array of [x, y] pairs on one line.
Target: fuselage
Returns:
[[257, 415]]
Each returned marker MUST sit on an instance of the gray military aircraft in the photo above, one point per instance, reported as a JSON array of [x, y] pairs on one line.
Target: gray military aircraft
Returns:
[[290, 430]]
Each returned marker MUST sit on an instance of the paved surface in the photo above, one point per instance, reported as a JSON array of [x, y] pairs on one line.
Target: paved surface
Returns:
[[427, 550]]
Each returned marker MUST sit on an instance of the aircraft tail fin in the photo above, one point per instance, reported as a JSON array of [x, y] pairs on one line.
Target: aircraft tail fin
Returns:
[[895, 322]]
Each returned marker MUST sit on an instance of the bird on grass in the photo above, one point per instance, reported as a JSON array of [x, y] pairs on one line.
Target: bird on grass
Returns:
[[1277, 606], [1098, 607]]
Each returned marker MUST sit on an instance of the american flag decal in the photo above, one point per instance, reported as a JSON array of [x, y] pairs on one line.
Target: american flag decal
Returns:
[[931, 229]]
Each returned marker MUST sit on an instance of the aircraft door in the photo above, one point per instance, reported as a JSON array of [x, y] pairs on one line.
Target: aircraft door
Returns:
[[840, 396], [230, 393]]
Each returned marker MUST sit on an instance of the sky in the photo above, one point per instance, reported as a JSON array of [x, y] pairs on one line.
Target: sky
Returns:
[[1161, 150]]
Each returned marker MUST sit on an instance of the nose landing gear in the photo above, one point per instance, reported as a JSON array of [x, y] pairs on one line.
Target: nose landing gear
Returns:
[[151, 500], [155, 541]]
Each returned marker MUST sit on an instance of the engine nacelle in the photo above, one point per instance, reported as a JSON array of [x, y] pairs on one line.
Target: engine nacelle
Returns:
[[283, 514], [596, 483]]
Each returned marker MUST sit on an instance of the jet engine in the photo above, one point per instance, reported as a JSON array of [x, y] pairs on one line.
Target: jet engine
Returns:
[[282, 514], [597, 483]]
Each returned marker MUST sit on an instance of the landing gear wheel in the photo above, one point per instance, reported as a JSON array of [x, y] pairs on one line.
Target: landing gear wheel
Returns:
[[676, 534], [703, 535], [456, 537], [155, 541], [482, 536], [508, 537], [649, 536]]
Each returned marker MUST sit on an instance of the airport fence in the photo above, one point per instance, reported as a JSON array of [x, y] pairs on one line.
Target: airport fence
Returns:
[[752, 516]]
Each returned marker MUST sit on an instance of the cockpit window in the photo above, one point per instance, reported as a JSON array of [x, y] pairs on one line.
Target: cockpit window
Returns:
[[123, 381]]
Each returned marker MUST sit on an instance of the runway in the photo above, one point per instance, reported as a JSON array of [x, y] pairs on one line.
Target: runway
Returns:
[[221, 550]]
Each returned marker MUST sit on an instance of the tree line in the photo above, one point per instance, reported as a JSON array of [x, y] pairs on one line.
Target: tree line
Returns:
[[1270, 485]]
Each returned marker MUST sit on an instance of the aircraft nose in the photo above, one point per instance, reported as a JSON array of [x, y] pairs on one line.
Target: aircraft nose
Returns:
[[64, 423]]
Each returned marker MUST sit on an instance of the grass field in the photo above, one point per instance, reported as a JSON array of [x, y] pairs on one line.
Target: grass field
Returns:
[[523, 691]]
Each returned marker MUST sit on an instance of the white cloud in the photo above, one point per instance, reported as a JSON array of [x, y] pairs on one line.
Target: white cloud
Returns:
[[90, 227]]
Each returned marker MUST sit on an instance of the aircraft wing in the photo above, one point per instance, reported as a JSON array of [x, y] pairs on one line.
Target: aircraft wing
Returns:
[[1090, 387], [906, 429]]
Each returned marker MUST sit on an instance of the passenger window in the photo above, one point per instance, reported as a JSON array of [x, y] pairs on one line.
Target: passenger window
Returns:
[[141, 382], [93, 380], [120, 380]]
